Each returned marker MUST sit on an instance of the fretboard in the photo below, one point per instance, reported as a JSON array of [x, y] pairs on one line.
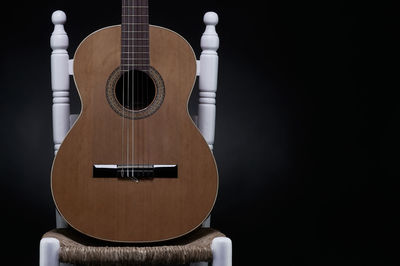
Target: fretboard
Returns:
[[135, 35]]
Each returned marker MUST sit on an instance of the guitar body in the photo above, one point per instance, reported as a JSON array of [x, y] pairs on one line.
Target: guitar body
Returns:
[[122, 210]]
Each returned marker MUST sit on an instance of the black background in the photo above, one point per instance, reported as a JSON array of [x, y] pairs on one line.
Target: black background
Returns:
[[307, 138]]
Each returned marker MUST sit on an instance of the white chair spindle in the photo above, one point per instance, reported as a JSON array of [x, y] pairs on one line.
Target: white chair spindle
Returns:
[[207, 70], [60, 78], [60, 71], [208, 78]]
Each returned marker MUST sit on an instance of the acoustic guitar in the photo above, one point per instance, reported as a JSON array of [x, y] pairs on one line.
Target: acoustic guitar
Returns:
[[134, 167]]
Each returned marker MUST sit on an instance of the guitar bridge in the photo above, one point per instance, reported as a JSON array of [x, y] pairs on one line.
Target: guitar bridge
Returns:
[[135, 172]]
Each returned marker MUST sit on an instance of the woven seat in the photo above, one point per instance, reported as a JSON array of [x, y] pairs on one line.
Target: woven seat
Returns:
[[78, 249]]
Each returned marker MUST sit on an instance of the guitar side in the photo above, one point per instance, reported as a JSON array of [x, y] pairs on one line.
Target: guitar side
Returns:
[[121, 210]]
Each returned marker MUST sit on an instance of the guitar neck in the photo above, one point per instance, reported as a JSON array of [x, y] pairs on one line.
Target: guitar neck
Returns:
[[135, 35]]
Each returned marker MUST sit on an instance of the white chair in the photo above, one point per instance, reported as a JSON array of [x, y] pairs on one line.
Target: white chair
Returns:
[[62, 68]]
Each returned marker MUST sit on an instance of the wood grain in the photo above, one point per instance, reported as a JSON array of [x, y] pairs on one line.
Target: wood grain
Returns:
[[126, 211]]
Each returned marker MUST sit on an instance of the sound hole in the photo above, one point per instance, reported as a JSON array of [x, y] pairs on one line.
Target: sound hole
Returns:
[[135, 90]]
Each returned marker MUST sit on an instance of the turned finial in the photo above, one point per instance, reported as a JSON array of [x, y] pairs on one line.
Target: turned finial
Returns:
[[210, 40], [59, 38], [58, 17], [211, 18]]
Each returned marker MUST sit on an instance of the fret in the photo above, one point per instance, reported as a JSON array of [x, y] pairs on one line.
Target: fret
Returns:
[[135, 64], [136, 31], [134, 35], [129, 66], [135, 43], [125, 45], [144, 28], [125, 51], [139, 34], [135, 52], [131, 10], [130, 6], [135, 18], [130, 48], [138, 60], [134, 59], [137, 27], [134, 40], [135, 2], [130, 31], [134, 14], [138, 56], [136, 21]]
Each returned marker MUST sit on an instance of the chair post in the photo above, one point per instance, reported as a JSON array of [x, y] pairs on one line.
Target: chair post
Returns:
[[207, 69], [49, 252], [222, 251], [208, 78], [60, 71], [60, 78]]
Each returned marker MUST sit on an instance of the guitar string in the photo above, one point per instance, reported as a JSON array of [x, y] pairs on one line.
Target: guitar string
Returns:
[[137, 90], [134, 10], [147, 56], [143, 36], [143, 103], [122, 73], [133, 85], [140, 104], [128, 90]]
